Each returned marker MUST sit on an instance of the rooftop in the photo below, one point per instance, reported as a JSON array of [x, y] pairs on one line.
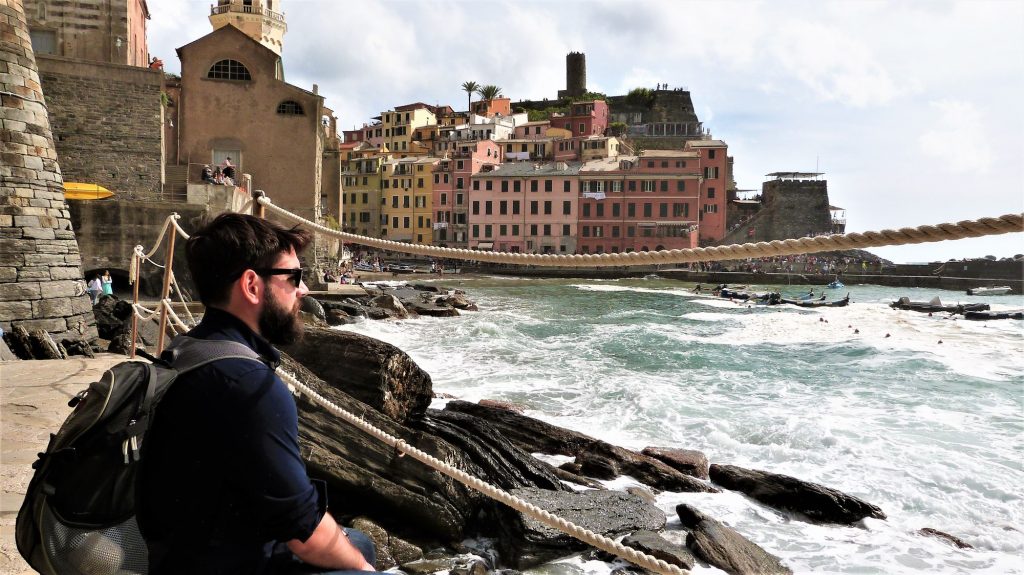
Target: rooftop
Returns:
[[668, 154], [522, 169], [606, 164], [794, 175], [706, 144]]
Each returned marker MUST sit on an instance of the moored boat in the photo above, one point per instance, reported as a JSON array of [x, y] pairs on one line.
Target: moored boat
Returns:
[[984, 315], [994, 290], [936, 305], [818, 303], [835, 284]]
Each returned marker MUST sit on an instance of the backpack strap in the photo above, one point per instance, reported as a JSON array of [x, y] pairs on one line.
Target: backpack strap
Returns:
[[186, 353]]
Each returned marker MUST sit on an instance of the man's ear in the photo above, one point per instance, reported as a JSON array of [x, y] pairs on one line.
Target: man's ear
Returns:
[[251, 287]]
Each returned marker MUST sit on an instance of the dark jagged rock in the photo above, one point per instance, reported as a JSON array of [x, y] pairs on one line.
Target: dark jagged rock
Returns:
[[723, 547], [658, 547], [77, 347], [596, 466], [571, 467], [19, 341], [44, 347], [428, 566], [430, 309], [688, 461], [642, 493], [817, 502], [122, 343], [648, 470], [501, 405], [339, 317], [391, 305], [469, 567], [349, 306], [525, 542], [312, 306], [533, 435], [509, 465], [457, 301], [951, 539], [378, 313], [372, 371], [576, 478], [391, 551], [426, 287], [370, 477], [5, 352]]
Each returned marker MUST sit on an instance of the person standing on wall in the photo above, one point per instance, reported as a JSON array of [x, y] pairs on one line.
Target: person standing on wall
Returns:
[[223, 488]]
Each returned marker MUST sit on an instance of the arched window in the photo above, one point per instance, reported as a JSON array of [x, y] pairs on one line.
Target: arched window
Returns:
[[229, 70], [290, 108]]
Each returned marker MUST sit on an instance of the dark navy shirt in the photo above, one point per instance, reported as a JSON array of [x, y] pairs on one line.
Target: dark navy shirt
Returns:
[[222, 479]]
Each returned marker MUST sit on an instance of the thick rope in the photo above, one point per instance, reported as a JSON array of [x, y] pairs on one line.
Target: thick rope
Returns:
[[1005, 224], [542, 515]]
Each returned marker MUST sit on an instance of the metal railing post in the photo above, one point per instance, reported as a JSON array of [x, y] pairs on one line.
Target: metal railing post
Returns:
[[165, 292], [137, 266]]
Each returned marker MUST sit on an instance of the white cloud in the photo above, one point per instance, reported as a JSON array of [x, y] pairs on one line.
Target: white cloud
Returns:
[[958, 137]]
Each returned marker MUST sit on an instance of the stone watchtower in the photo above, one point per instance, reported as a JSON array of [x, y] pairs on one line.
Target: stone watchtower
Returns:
[[261, 20], [41, 283], [575, 76]]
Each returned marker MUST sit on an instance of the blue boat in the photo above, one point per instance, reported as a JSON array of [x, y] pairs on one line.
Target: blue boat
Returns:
[[836, 285]]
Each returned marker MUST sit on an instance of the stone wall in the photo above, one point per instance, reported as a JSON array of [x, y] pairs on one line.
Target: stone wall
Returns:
[[110, 230], [106, 123], [40, 274], [791, 209]]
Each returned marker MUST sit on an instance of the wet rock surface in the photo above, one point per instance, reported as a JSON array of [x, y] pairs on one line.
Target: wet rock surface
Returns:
[[658, 547], [525, 542], [816, 502], [723, 547]]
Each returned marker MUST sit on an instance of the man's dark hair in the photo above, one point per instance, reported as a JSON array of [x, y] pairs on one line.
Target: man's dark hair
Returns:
[[223, 249]]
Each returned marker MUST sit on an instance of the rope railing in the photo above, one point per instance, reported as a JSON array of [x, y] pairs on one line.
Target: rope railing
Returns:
[[1005, 224]]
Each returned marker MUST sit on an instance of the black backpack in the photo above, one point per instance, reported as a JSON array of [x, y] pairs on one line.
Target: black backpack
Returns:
[[78, 516]]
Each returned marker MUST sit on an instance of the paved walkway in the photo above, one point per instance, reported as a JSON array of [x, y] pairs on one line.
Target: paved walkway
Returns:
[[33, 403]]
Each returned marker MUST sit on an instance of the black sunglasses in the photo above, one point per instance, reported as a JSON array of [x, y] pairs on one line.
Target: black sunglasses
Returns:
[[294, 274]]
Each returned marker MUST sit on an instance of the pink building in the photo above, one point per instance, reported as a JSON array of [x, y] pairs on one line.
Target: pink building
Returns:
[[524, 207], [644, 203], [584, 119], [715, 181], [452, 178]]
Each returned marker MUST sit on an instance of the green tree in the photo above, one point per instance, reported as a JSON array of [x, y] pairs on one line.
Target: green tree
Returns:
[[489, 92], [469, 87], [640, 97]]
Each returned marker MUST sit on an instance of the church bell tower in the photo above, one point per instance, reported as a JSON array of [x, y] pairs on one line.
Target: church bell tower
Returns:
[[262, 20]]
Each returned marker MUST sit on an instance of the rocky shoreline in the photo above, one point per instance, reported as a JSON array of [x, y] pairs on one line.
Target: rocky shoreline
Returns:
[[421, 519]]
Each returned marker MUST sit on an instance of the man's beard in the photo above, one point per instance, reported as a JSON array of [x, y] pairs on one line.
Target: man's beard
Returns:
[[279, 325]]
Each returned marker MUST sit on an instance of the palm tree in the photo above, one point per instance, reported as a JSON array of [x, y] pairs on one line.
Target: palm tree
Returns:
[[469, 88], [489, 92]]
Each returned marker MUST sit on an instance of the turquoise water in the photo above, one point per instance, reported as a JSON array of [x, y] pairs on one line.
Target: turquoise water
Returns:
[[926, 423]]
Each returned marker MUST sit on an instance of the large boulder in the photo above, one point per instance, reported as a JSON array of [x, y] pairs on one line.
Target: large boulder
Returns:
[[724, 547], [391, 305], [111, 314], [372, 371], [648, 470], [688, 461], [533, 435], [312, 306], [658, 547], [44, 346], [525, 542], [816, 502], [368, 477]]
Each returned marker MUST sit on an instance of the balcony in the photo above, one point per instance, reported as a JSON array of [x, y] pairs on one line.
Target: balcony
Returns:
[[229, 6]]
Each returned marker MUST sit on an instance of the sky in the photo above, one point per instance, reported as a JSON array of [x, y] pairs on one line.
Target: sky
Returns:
[[913, 110]]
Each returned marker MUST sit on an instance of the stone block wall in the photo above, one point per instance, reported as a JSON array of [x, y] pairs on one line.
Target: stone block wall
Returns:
[[791, 209], [106, 123], [40, 265]]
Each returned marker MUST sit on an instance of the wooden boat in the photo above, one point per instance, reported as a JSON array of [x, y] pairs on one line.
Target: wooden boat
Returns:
[[994, 290], [83, 191], [818, 303], [936, 305], [984, 315]]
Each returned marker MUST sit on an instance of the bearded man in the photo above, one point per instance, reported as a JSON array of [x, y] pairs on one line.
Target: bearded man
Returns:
[[223, 488]]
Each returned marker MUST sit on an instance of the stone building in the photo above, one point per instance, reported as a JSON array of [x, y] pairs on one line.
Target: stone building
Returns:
[[109, 31], [40, 265]]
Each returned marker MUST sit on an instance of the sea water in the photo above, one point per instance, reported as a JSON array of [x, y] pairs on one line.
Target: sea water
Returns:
[[921, 415]]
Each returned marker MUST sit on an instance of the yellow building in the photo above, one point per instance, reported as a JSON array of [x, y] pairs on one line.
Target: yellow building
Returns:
[[362, 187], [400, 124], [408, 199]]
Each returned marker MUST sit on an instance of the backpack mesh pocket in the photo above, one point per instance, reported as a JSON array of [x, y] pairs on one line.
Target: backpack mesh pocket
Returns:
[[115, 550]]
